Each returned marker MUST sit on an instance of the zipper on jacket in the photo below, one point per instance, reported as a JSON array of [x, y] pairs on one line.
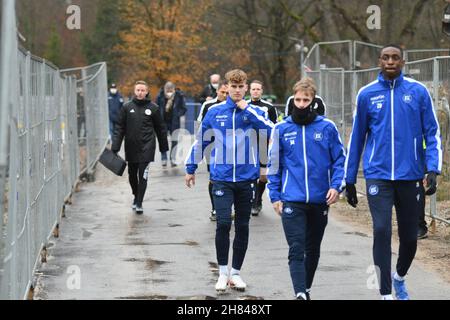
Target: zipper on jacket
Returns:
[[306, 164], [253, 155], [392, 132], [415, 148], [285, 181], [234, 147], [373, 152]]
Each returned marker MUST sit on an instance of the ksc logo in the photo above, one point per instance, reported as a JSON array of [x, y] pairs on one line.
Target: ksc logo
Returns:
[[373, 190], [318, 136]]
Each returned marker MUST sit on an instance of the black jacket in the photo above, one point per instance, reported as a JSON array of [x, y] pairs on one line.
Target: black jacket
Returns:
[[267, 107], [138, 123], [208, 91]]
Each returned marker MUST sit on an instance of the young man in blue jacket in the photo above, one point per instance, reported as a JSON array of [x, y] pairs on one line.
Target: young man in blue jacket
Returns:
[[231, 129], [306, 175], [392, 117]]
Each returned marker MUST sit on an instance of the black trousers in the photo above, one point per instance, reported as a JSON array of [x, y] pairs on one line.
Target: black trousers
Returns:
[[138, 175], [406, 196]]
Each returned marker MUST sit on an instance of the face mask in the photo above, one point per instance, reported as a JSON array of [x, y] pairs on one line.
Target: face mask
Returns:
[[169, 95], [304, 116], [113, 91], [215, 85]]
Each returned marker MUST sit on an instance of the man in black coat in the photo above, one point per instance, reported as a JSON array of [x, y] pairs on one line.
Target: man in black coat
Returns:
[[210, 91], [172, 106], [139, 120]]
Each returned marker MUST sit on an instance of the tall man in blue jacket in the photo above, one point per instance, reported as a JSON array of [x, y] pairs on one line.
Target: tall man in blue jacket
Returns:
[[231, 129], [306, 175], [393, 115]]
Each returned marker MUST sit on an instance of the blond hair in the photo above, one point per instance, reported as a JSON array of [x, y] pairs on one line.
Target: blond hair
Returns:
[[141, 82], [236, 76], [306, 84]]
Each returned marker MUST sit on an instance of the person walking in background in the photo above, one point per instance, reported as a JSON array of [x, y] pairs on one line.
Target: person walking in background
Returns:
[[234, 170], [210, 91], [115, 103], [306, 175], [222, 93], [392, 117], [256, 92], [139, 120], [172, 107]]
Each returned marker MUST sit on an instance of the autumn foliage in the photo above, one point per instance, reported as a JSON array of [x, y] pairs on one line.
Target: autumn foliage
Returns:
[[165, 40]]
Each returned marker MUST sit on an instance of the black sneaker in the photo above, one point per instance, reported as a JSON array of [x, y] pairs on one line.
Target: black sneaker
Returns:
[[422, 233], [308, 297], [133, 206], [256, 210], [164, 163], [173, 164], [139, 210], [212, 215]]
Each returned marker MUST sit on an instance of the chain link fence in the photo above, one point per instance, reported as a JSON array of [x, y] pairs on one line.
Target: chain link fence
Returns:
[[41, 149], [339, 86]]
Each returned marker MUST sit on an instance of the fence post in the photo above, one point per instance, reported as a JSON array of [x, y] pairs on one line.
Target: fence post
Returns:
[[343, 104], [433, 199]]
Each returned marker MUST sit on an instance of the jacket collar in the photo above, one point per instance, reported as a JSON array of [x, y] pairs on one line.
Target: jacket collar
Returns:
[[390, 83], [230, 103]]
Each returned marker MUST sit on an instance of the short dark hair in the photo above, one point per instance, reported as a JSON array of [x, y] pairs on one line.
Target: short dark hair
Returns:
[[257, 82], [222, 83], [396, 46]]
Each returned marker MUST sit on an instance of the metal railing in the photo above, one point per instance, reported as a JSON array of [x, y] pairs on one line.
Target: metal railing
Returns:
[[40, 150]]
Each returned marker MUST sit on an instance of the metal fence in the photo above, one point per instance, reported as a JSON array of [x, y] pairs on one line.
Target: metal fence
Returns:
[[40, 150], [355, 55], [339, 86]]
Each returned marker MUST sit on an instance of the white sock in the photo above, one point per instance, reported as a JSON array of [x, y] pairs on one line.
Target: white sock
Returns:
[[302, 294], [223, 270], [398, 278], [234, 272], [387, 297]]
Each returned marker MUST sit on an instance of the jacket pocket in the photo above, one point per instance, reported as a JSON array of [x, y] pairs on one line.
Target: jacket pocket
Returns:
[[372, 153], [285, 181], [415, 148]]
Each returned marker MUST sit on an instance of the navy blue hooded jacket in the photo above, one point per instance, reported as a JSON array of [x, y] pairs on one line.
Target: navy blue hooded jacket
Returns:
[[392, 119]]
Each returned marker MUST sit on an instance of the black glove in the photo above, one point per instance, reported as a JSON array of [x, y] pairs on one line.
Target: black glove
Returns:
[[431, 183], [350, 193]]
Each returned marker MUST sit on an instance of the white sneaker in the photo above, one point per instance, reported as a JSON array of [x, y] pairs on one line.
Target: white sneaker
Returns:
[[387, 297], [237, 283], [222, 283]]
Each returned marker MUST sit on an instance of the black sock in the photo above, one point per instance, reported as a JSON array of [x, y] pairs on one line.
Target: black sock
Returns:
[[259, 192]]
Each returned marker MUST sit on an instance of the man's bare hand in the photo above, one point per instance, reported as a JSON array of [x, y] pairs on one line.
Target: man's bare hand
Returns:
[[190, 180], [332, 196], [242, 104], [278, 207]]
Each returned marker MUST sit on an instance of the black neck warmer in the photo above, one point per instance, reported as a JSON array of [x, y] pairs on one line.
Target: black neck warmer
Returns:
[[141, 102], [304, 116]]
